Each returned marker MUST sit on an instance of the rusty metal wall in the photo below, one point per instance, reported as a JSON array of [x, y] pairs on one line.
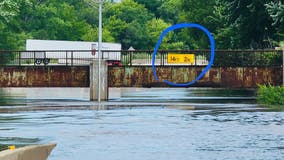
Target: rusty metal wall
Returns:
[[40, 76], [229, 77], [139, 76]]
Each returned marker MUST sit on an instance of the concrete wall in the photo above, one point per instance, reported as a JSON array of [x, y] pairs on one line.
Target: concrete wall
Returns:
[[79, 76], [237, 77], [40, 76]]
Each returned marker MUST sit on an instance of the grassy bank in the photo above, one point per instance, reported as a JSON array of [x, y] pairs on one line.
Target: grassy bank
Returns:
[[271, 96]]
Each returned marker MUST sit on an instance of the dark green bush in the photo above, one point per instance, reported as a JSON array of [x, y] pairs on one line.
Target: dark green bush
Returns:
[[271, 95]]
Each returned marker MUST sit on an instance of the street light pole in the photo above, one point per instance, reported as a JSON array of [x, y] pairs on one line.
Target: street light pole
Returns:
[[100, 49]]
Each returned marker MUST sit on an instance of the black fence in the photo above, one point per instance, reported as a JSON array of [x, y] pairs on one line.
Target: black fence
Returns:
[[66, 58], [201, 58], [224, 58]]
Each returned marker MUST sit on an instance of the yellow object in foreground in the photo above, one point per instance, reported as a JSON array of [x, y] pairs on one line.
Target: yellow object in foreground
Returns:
[[12, 147], [33, 152], [176, 58]]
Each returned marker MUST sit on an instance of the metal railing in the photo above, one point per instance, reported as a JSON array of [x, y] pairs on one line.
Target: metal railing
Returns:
[[47, 58], [226, 58]]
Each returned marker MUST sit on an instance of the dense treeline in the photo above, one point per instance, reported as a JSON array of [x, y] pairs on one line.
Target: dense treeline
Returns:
[[235, 24]]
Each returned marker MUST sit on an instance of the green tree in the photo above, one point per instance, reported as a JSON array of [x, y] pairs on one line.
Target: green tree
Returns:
[[276, 12], [169, 10], [151, 5], [226, 33], [196, 12], [254, 22], [129, 11], [92, 35], [235, 24], [10, 33], [53, 20], [8, 10], [126, 22], [116, 27], [154, 28]]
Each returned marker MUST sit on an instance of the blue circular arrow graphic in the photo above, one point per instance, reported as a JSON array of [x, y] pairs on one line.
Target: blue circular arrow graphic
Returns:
[[179, 26]]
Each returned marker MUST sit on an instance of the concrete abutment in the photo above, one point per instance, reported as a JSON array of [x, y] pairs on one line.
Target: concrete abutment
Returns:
[[94, 81]]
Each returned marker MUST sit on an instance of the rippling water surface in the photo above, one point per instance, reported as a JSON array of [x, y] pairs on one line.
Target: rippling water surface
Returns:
[[173, 128]]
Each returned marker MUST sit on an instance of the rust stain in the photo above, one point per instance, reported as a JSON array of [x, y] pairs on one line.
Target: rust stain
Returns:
[[164, 73], [231, 77], [113, 74], [183, 75], [276, 75], [248, 77], [37, 77], [60, 77], [262, 75], [12, 77], [215, 75], [80, 76], [139, 76], [40, 76], [210, 79]]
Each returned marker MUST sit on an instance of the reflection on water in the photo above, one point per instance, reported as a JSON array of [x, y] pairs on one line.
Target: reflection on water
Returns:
[[45, 93], [135, 94], [146, 131], [199, 95]]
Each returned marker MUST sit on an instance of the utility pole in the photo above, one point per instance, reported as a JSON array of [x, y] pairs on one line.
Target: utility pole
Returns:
[[100, 49]]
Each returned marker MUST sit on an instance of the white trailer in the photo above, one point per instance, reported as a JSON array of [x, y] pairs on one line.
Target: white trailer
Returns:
[[66, 51]]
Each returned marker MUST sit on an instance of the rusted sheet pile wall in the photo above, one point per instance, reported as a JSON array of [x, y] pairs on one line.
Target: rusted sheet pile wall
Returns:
[[50, 76], [140, 76], [231, 77]]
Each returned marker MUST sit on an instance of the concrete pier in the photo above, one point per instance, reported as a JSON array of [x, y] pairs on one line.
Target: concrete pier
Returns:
[[94, 75]]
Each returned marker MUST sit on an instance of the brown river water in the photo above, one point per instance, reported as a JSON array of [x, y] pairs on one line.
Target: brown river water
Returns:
[[142, 124]]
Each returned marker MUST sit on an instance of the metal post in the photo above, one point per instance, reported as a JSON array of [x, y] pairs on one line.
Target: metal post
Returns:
[[66, 58], [283, 65], [131, 54], [72, 58], [34, 58], [20, 54], [195, 59], [100, 49], [279, 49], [162, 58]]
